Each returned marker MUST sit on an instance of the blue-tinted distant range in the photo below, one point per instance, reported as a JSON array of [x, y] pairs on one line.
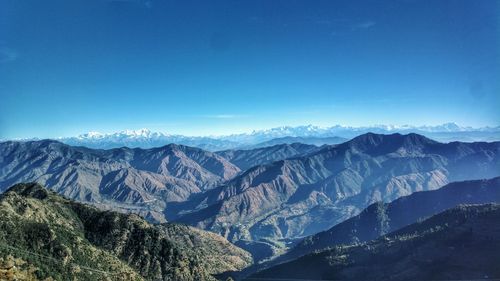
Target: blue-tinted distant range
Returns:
[[200, 68], [312, 135]]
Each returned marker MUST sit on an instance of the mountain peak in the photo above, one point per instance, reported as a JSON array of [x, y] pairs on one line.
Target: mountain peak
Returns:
[[382, 144], [133, 134], [374, 138], [138, 133]]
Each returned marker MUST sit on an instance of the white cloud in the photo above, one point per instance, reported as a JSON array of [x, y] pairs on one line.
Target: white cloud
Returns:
[[225, 116], [7, 55], [363, 25]]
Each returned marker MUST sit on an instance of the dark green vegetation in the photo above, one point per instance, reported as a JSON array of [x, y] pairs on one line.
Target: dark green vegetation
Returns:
[[458, 244], [65, 240]]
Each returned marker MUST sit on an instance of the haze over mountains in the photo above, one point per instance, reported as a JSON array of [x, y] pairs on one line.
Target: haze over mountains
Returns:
[[260, 138]]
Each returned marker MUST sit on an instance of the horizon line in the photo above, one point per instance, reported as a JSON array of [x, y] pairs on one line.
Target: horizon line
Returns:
[[388, 127]]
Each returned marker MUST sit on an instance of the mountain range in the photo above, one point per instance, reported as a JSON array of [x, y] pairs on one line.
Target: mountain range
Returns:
[[136, 180], [278, 202], [262, 199], [288, 199], [309, 134]]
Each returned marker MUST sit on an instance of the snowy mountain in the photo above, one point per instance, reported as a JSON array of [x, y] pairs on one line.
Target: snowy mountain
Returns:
[[145, 138]]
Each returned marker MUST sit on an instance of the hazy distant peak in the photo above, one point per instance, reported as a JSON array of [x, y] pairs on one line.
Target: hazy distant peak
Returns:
[[141, 133], [373, 138], [308, 134], [304, 130]]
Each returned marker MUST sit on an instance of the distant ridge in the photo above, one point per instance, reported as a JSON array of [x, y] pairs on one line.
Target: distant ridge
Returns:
[[247, 158], [308, 134], [138, 180]]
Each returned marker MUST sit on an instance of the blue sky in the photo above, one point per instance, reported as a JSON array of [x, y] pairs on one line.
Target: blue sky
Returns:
[[218, 67]]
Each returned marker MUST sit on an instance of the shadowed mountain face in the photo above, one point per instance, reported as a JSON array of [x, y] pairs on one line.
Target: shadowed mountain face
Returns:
[[79, 241], [301, 196], [137, 180], [245, 159], [317, 141], [381, 218], [458, 244]]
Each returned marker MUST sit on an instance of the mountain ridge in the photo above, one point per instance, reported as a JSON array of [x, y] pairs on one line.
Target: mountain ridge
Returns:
[[138, 179]]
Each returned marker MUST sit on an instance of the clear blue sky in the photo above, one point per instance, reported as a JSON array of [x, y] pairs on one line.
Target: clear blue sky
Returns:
[[216, 67]]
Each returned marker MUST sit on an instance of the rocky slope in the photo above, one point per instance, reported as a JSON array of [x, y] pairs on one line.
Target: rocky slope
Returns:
[[131, 180], [462, 243], [301, 196], [381, 218], [63, 239]]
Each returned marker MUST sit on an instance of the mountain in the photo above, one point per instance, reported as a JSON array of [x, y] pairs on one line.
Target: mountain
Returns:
[[245, 159], [308, 134], [317, 141], [451, 131], [144, 138], [380, 218], [65, 240], [462, 243], [132, 180], [296, 197]]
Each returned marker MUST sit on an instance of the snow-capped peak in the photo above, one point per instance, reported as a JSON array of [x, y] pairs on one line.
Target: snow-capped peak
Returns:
[[146, 138], [91, 135], [137, 133]]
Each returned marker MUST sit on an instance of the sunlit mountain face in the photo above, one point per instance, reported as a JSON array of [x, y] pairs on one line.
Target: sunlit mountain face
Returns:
[[249, 140]]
